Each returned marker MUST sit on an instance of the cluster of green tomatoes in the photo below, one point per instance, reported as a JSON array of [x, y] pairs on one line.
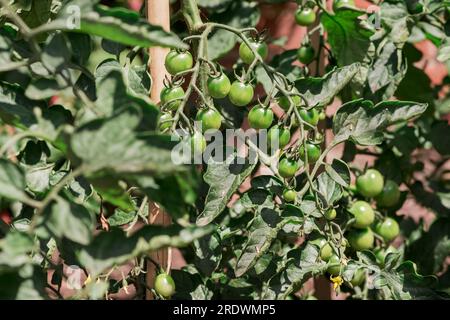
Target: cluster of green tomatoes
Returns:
[[366, 227], [240, 93]]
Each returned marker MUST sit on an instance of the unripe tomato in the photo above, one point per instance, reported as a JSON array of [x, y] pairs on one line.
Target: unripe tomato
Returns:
[[164, 285], [338, 4], [361, 239], [305, 16], [283, 135], [209, 118], [260, 117], [247, 55], [312, 151], [370, 184], [287, 167], [325, 249], [330, 214], [306, 54], [283, 101], [363, 213], [241, 94], [289, 195], [390, 195], [326, 252], [165, 121], [334, 265], [358, 277], [177, 62], [169, 94], [388, 229], [310, 116], [197, 143], [219, 87]]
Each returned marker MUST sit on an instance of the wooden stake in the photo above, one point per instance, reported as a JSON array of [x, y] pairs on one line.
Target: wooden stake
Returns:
[[158, 13]]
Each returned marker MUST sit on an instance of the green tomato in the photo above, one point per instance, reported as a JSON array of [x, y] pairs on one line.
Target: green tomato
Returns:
[[210, 119], [389, 196], [283, 135], [241, 94], [310, 116], [325, 249], [287, 167], [164, 285], [330, 214], [312, 151], [363, 214], [334, 265], [388, 229], [338, 4], [370, 184], [306, 54], [326, 252], [358, 277], [197, 143], [247, 55], [260, 117], [169, 94], [177, 62], [165, 121], [305, 16], [361, 239], [289, 195], [219, 87], [283, 101]]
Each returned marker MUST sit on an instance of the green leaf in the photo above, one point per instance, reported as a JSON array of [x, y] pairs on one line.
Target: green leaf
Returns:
[[263, 231], [118, 88], [432, 248], [329, 190], [69, 220], [406, 284], [348, 37], [438, 130], [38, 177], [339, 172], [363, 123], [208, 253], [321, 91], [42, 88], [387, 72], [97, 144], [12, 181], [444, 51], [120, 217], [120, 25], [28, 283], [56, 53], [114, 248], [223, 178], [16, 249]]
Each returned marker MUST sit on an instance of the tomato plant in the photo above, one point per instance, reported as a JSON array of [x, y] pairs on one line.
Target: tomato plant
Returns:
[[91, 160]]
